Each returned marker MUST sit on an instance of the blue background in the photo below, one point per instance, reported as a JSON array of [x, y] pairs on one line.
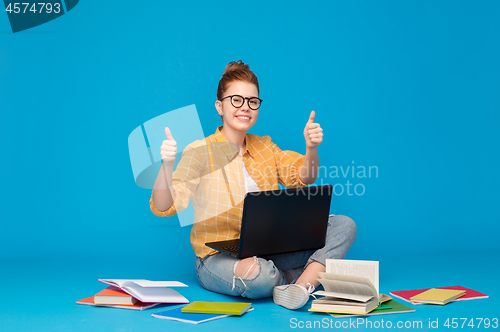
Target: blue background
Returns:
[[411, 87]]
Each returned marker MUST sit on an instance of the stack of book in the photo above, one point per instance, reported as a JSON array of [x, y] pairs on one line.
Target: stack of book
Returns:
[[347, 295], [440, 295], [204, 311], [349, 289], [137, 294], [388, 307]]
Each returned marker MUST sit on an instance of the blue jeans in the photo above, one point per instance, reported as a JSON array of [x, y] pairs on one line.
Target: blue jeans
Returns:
[[216, 272]]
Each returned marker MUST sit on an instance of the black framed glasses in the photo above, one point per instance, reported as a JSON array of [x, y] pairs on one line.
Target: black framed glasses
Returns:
[[238, 101]]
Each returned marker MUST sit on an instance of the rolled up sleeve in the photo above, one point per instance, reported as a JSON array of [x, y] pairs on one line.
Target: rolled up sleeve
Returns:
[[185, 180]]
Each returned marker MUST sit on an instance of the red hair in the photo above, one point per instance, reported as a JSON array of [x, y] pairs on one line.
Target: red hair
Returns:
[[236, 71]]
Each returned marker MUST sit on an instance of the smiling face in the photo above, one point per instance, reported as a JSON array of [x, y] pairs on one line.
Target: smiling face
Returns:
[[238, 119]]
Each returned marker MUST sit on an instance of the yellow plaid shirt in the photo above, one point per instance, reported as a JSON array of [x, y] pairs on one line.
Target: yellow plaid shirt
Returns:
[[211, 173]]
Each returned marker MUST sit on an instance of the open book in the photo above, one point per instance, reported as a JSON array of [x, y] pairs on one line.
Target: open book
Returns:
[[348, 292], [149, 291]]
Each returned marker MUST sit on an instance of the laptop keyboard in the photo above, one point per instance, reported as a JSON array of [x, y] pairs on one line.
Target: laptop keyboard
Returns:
[[233, 249]]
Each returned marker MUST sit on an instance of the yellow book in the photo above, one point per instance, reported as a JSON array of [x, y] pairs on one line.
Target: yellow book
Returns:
[[226, 308], [437, 296]]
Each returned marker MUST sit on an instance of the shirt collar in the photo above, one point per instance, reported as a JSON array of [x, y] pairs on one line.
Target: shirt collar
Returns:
[[250, 149]]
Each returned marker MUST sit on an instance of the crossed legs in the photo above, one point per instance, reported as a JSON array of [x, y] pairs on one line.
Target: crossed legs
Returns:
[[255, 277]]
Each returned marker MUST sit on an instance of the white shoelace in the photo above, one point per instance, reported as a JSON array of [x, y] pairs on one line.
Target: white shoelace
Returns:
[[310, 289]]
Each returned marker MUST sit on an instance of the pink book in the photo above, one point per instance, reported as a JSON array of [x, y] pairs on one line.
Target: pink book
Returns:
[[136, 306], [470, 294]]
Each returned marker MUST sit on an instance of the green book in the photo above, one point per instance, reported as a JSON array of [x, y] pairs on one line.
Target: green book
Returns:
[[390, 307], [226, 308], [382, 306]]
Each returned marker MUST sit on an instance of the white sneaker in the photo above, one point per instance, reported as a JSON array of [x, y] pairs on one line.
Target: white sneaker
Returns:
[[292, 296]]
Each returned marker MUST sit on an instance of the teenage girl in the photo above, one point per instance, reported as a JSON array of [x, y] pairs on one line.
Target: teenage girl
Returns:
[[218, 171]]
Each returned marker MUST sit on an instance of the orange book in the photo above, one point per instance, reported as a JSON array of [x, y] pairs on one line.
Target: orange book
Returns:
[[113, 295], [137, 306]]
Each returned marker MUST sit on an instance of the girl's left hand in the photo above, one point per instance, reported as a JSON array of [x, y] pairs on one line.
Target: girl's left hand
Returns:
[[313, 132]]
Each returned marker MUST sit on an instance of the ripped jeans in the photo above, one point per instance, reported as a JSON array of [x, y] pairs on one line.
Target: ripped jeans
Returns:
[[217, 272]]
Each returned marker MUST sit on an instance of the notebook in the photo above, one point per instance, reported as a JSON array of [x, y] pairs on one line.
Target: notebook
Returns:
[[193, 318], [280, 221], [226, 308], [178, 315], [389, 307], [437, 296]]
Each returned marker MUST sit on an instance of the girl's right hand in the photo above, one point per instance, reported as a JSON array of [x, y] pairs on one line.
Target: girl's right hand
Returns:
[[168, 149]]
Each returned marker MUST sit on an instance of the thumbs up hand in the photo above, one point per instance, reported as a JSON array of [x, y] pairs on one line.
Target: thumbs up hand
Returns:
[[313, 132], [168, 149]]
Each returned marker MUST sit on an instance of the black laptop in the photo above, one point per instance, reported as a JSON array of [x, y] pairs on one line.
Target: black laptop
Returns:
[[281, 221]]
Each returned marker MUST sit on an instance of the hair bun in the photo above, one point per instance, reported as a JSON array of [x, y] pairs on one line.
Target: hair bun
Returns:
[[236, 71], [234, 66]]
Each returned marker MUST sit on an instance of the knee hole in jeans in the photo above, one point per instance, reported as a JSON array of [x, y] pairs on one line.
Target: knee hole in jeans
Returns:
[[247, 268]]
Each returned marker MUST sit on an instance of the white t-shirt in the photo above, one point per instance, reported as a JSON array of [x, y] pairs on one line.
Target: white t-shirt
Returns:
[[250, 184]]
